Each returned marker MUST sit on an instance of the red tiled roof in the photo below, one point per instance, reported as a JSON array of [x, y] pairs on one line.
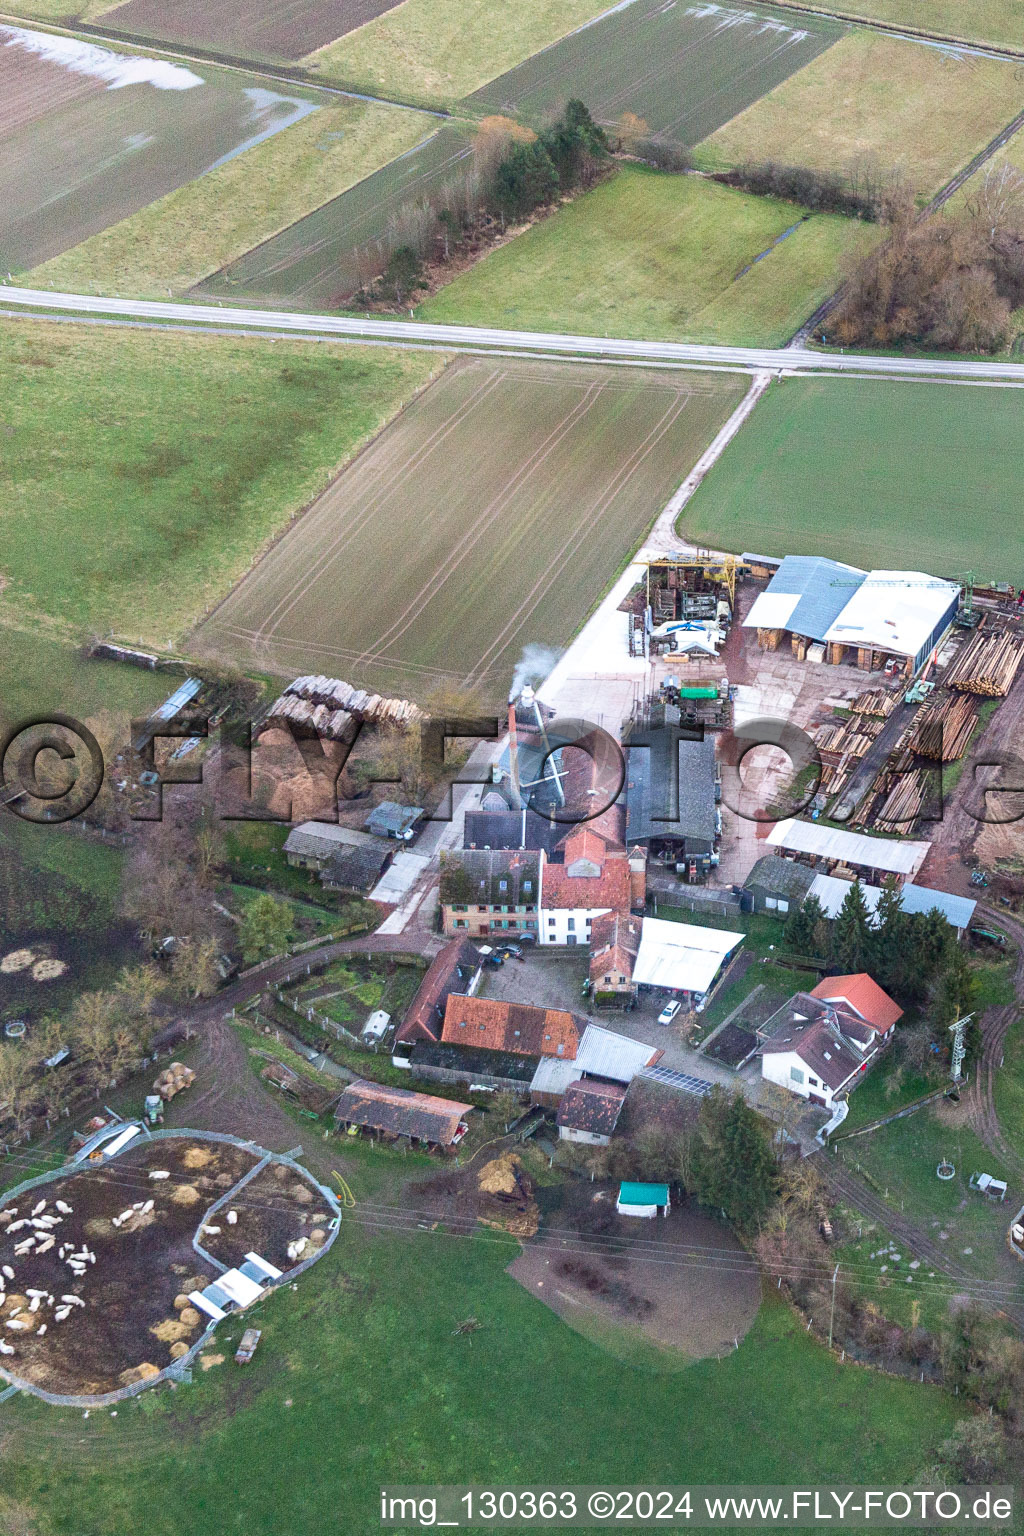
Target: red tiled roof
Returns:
[[590, 1106], [614, 944], [400, 1112], [608, 889], [491, 1024], [864, 996], [423, 1020]]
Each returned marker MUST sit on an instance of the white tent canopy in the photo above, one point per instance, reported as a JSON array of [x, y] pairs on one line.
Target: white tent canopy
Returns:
[[681, 956]]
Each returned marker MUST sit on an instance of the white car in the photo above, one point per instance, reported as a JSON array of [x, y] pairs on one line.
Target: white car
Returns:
[[669, 1012]]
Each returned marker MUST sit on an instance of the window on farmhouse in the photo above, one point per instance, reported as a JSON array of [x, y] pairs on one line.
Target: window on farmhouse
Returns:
[[796, 1074]]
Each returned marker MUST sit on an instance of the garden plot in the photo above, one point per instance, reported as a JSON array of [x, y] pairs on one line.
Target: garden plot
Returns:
[[97, 1267], [490, 514], [875, 104], [263, 30], [89, 135], [685, 69]]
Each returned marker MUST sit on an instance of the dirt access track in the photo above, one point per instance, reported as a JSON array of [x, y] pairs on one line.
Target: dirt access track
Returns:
[[84, 1326]]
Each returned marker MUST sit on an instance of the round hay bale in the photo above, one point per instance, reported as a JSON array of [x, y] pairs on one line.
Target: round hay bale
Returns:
[[17, 960], [143, 1372], [198, 1157], [179, 1349], [181, 1300], [189, 1317], [498, 1177], [14, 1303], [169, 1331], [280, 1172], [185, 1194], [99, 1226], [302, 1193], [317, 1235], [48, 970]]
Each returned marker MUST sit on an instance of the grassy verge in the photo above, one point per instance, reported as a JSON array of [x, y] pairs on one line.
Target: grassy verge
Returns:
[[144, 473], [436, 51], [653, 255], [1009, 1088], [842, 112], [183, 237], [983, 21], [903, 462], [901, 1159]]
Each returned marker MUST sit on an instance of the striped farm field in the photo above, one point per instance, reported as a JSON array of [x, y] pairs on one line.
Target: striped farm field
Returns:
[[877, 103], [492, 513], [685, 69]]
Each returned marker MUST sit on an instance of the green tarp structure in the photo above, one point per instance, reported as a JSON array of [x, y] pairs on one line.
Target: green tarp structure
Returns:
[[643, 1194]]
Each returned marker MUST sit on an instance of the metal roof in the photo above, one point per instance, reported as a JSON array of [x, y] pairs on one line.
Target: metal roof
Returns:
[[832, 892], [681, 956], [896, 611], [806, 595], [603, 1053], [903, 857]]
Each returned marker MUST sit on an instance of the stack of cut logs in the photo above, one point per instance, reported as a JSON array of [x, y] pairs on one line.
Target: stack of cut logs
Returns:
[[987, 664], [899, 792], [852, 737], [875, 701], [334, 709], [943, 729]]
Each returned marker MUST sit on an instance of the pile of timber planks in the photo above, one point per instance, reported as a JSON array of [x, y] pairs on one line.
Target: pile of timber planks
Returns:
[[875, 701], [836, 740], [944, 727], [987, 664]]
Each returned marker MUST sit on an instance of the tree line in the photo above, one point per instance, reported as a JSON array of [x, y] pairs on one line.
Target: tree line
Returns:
[[511, 172]]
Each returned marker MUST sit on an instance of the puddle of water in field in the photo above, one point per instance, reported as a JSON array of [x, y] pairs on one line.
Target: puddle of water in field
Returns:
[[274, 113], [769, 248], [117, 69]]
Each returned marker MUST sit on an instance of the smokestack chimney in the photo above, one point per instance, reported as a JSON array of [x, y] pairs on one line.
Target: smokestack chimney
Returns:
[[513, 755]]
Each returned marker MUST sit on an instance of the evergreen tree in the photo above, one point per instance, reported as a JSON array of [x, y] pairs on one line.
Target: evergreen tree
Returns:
[[732, 1165], [524, 180], [851, 933], [802, 928], [889, 939]]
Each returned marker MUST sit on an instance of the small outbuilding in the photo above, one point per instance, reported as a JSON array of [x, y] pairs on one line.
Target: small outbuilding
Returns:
[[643, 1200], [419, 1118], [389, 819], [589, 1112]]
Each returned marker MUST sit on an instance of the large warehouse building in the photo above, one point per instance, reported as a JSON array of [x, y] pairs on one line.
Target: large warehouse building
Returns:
[[837, 613]]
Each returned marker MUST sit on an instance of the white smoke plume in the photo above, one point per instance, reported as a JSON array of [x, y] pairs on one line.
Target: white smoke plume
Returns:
[[533, 666]]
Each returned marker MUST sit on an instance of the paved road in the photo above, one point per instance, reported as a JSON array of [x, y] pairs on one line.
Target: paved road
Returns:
[[467, 338]]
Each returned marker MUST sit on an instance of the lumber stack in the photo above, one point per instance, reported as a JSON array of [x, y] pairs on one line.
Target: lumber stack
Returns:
[[943, 729], [904, 801], [841, 739], [875, 701], [987, 664]]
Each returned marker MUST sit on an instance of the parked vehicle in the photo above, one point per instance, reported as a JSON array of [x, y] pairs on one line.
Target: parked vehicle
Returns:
[[512, 950], [669, 1012]]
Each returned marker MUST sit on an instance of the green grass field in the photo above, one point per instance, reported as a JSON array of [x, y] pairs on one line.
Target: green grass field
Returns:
[[359, 1384], [685, 70], [921, 476], [493, 513], [982, 21], [1009, 1089], [437, 51], [649, 254], [174, 242], [845, 112], [143, 472]]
